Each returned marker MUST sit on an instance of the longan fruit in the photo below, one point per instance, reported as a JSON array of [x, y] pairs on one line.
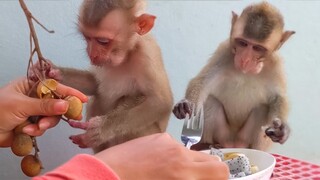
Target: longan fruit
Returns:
[[30, 165], [75, 107], [22, 144], [45, 88]]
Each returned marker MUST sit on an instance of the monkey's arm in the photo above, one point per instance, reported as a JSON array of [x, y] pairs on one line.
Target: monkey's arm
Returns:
[[278, 108], [196, 94], [133, 117], [199, 87], [79, 79], [82, 80], [278, 129], [195, 89], [153, 110]]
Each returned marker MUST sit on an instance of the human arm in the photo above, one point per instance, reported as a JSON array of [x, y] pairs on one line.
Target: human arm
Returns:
[[159, 156], [155, 157]]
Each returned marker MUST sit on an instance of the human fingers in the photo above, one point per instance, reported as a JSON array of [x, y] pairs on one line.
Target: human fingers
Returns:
[[67, 91], [45, 107], [33, 130], [48, 122], [211, 170], [199, 156], [39, 128]]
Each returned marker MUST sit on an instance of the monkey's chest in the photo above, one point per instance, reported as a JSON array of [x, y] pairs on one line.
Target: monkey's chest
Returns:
[[239, 95]]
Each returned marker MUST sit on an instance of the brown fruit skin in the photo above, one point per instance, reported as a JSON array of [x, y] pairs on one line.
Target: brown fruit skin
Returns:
[[30, 166], [75, 107], [45, 87], [22, 144]]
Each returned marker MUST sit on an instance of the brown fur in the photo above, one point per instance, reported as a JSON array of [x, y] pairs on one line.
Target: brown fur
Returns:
[[261, 20], [238, 105], [93, 11], [130, 99]]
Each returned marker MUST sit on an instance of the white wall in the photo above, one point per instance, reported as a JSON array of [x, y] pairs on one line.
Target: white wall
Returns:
[[188, 32]]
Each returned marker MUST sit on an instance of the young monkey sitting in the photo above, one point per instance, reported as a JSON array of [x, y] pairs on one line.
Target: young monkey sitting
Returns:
[[243, 87], [131, 95]]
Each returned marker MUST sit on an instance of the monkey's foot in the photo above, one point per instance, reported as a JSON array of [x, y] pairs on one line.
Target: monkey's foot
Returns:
[[217, 146], [278, 131], [200, 146]]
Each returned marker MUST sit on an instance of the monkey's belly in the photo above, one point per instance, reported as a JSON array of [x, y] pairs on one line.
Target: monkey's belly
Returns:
[[239, 97], [238, 124]]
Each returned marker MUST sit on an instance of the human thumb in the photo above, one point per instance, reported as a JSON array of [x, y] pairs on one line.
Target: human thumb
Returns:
[[46, 107]]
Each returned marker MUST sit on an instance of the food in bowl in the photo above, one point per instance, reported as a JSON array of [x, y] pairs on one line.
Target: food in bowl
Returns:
[[246, 164]]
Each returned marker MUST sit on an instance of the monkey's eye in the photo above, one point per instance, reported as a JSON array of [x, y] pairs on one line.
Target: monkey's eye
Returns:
[[259, 49], [103, 41], [241, 43]]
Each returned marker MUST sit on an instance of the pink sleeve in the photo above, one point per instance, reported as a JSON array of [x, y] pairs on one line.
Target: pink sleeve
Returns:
[[82, 166]]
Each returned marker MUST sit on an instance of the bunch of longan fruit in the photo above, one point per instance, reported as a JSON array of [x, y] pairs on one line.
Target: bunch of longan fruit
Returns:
[[23, 144]]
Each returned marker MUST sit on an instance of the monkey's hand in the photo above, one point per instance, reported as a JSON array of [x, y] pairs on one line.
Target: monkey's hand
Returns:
[[93, 132], [48, 68], [278, 131], [182, 108]]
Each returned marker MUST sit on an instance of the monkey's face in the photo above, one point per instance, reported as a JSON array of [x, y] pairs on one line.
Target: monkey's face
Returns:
[[249, 57], [251, 54], [109, 43]]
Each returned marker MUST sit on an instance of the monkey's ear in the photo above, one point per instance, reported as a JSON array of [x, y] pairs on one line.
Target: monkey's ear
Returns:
[[144, 23], [285, 36], [234, 18]]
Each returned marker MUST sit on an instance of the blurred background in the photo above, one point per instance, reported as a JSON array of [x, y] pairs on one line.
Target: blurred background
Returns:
[[188, 32]]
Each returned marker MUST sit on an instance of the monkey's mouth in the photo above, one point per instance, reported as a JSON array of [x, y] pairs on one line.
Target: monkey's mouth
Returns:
[[98, 62]]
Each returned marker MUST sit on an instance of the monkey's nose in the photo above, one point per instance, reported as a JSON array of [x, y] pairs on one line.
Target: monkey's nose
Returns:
[[244, 63]]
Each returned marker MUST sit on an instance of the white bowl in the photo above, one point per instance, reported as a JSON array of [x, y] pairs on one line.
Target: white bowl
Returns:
[[263, 160]]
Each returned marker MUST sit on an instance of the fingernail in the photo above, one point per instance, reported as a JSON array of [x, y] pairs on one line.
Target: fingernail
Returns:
[[27, 129], [44, 125], [61, 106]]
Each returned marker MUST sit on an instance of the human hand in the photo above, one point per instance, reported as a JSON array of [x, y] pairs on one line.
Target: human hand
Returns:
[[16, 107], [159, 156]]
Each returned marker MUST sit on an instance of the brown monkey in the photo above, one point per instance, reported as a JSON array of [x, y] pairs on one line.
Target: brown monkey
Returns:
[[243, 87], [131, 95]]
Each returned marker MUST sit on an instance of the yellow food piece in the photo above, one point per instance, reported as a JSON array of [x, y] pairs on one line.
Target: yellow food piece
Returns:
[[30, 166], [75, 107], [22, 144], [45, 88], [232, 155], [254, 169]]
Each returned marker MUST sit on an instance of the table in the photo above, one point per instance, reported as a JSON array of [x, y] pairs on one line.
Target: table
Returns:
[[292, 169]]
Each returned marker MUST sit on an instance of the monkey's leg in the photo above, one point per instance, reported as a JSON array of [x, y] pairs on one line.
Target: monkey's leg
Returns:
[[251, 135], [216, 130]]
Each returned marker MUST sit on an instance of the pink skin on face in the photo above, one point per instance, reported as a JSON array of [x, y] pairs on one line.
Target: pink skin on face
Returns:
[[104, 41], [247, 58]]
